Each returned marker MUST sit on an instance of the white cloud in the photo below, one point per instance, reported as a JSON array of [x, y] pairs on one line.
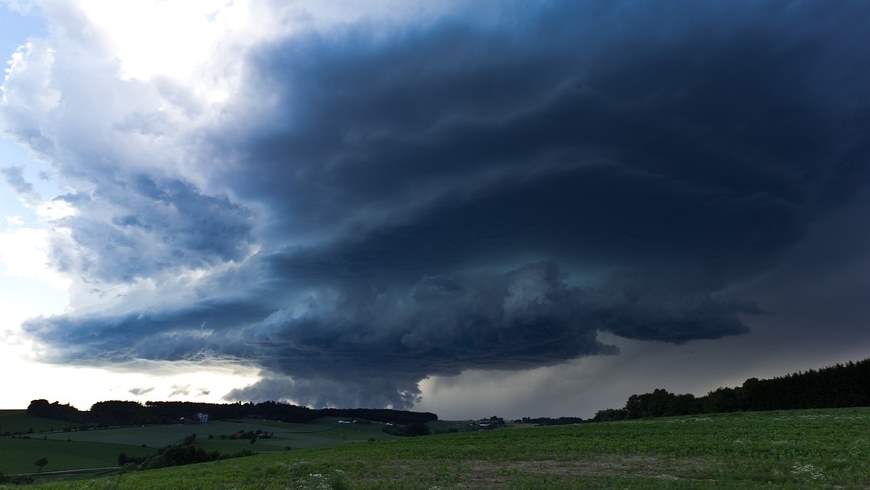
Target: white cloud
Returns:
[[55, 210], [24, 253], [27, 81], [22, 7], [14, 220]]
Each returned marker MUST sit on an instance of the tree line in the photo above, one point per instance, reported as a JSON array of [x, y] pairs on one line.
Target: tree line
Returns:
[[841, 385], [118, 412]]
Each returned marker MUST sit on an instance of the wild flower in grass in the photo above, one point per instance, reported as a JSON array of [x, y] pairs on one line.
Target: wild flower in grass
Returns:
[[335, 480], [807, 470]]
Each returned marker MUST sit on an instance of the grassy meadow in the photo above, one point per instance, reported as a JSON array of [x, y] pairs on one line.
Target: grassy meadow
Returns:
[[17, 421], [788, 449], [100, 448], [321, 433], [18, 455]]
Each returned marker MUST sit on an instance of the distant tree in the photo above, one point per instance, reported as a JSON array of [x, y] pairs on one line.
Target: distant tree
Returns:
[[611, 414], [115, 412], [840, 385], [40, 463], [417, 429], [41, 408]]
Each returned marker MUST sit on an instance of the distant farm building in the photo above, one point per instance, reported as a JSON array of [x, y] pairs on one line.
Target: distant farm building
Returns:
[[200, 418], [490, 423]]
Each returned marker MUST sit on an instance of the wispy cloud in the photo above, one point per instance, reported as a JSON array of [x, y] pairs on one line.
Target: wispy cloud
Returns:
[[14, 177]]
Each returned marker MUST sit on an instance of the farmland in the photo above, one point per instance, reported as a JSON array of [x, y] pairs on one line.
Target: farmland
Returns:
[[787, 449], [68, 450], [18, 455], [217, 435], [17, 421]]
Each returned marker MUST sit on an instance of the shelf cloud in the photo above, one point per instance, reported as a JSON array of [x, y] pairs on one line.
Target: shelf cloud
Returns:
[[353, 206]]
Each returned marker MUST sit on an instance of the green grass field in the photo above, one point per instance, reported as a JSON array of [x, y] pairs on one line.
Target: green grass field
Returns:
[[18, 455], [101, 447], [789, 449], [321, 433], [17, 421]]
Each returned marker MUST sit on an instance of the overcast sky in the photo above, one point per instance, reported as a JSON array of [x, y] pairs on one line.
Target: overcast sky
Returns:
[[471, 207]]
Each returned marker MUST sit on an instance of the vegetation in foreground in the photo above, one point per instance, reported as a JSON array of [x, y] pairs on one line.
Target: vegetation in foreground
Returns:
[[823, 448]]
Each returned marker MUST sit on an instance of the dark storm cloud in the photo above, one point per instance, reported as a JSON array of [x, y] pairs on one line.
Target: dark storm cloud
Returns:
[[463, 194], [379, 341], [365, 124], [141, 226]]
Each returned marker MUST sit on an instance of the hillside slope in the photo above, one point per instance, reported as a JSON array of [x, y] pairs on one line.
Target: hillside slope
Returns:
[[804, 448]]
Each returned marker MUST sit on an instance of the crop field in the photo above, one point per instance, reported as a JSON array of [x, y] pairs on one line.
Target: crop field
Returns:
[[788, 449]]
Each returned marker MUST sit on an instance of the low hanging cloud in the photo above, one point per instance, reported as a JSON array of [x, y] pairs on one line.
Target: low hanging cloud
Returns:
[[179, 390], [376, 202], [141, 391]]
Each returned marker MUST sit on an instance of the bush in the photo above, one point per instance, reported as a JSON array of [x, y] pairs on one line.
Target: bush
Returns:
[[124, 460], [183, 454]]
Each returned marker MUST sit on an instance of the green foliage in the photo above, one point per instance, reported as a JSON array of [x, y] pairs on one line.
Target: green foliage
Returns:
[[186, 453], [841, 385], [119, 412], [41, 408]]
